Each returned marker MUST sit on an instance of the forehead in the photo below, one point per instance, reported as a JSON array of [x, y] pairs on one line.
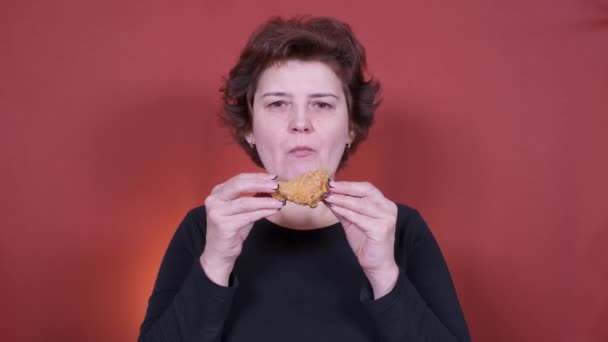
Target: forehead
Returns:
[[296, 77]]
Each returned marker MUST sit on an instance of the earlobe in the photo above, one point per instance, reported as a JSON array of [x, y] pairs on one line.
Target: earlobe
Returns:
[[351, 137], [249, 139]]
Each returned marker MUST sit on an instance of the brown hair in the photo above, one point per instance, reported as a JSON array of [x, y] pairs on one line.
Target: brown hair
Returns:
[[304, 38]]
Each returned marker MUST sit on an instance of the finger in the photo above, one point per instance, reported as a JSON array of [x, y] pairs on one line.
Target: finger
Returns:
[[238, 186], [252, 216], [357, 204], [363, 221], [261, 176], [341, 218], [354, 234], [248, 204], [356, 189]]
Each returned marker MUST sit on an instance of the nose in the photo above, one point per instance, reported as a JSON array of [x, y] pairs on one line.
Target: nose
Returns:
[[300, 121]]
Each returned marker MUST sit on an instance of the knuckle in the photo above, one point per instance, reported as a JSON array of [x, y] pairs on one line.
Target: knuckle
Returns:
[[394, 209], [208, 201], [212, 212], [242, 204], [239, 186]]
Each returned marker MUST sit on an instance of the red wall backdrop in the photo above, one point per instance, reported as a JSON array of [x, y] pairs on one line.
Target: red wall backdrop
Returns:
[[493, 126]]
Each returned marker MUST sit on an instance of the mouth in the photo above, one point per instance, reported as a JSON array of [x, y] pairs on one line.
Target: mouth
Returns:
[[301, 151]]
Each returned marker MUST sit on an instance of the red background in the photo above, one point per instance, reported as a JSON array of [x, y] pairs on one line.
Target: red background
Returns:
[[493, 126]]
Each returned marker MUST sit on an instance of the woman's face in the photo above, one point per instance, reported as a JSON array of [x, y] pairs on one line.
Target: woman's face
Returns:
[[300, 119]]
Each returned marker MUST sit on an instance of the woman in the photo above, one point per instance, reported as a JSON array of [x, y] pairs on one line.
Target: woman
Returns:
[[357, 267]]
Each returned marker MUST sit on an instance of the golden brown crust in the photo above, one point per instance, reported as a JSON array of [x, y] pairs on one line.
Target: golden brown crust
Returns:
[[307, 189]]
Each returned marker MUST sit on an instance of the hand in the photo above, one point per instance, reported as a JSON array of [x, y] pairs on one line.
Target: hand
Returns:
[[230, 217], [369, 220]]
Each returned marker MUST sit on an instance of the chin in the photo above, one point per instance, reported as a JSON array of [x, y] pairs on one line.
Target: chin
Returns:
[[296, 169], [288, 169]]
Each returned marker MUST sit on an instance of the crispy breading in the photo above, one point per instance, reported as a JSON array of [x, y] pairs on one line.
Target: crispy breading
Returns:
[[307, 189]]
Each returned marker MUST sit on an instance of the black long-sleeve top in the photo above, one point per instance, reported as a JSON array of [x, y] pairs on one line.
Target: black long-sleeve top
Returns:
[[303, 285]]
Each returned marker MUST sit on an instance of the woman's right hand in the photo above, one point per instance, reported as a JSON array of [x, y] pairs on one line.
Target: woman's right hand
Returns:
[[230, 217]]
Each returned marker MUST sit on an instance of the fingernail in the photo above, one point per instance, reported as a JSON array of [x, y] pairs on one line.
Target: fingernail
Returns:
[[329, 204], [332, 184], [284, 202], [274, 177], [327, 194], [275, 187]]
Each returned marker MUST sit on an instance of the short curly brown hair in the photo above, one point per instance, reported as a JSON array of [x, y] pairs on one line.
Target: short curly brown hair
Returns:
[[301, 38]]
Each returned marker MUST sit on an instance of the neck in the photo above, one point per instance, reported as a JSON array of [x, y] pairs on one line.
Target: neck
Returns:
[[301, 217]]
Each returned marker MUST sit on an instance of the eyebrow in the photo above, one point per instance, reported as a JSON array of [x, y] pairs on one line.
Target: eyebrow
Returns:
[[323, 95], [314, 95], [276, 93]]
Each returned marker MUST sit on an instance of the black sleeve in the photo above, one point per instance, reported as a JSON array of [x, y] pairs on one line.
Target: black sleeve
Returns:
[[423, 306], [185, 305]]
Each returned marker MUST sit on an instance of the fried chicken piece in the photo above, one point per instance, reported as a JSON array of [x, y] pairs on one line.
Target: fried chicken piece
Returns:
[[307, 189]]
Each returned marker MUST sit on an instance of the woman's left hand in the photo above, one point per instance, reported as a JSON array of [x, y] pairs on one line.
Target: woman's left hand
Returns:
[[369, 220]]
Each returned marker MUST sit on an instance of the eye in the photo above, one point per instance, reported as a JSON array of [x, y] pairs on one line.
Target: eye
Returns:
[[277, 104], [322, 105]]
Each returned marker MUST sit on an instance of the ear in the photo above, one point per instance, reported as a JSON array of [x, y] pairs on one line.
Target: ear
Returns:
[[351, 136], [249, 138]]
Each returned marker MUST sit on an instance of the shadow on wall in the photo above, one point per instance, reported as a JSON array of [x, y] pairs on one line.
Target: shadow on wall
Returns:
[[154, 146], [150, 160]]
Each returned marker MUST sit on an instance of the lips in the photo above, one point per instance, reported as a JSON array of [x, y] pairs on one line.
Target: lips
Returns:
[[301, 151]]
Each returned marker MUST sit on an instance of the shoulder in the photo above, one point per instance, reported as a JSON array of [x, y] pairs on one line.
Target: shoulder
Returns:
[[196, 219], [409, 219], [411, 230], [405, 211], [196, 215], [192, 228]]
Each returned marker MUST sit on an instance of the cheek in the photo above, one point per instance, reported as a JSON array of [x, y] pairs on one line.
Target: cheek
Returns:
[[335, 140], [337, 147], [335, 132], [261, 128], [268, 139], [264, 132]]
